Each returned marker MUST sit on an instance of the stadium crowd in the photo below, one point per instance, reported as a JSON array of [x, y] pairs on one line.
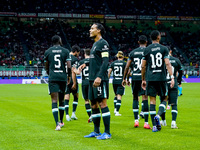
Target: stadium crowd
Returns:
[[142, 7], [36, 36]]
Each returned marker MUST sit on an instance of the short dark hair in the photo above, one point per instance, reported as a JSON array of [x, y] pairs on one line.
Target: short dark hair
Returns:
[[100, 27], [142, 39], [87, 52], [154, 34], [55, 39], [76, 48]]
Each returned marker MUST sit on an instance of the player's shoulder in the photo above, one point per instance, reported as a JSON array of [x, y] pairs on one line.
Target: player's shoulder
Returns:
[[102, 43]]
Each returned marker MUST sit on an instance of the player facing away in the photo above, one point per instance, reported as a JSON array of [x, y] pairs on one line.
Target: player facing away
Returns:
[[85, 82], [117, 67], [173, 92], [56, 60], [154, 64], [73, 86], [98, 82], [134, 61]]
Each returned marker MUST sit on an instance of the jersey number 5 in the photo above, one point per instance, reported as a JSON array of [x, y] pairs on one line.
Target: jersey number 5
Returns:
[[57, 59]]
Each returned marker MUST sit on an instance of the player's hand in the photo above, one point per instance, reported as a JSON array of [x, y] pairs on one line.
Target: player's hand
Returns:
[[74, 86], [172, 83], [81, 67], [68, 80], [124, 83], [144, 84], [128, 83], [97, 82]]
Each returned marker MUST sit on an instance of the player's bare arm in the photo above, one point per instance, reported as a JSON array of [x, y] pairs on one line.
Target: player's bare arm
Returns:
[[143, 74], [126, 71], [47, 67], [109, 72], [68, 71]]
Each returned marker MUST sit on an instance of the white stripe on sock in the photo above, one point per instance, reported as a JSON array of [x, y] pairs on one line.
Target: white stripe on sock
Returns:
[[75, 103], [105, 114], [162, 105], [135, 110], [96, 115], [66, 106], [54, 109], [88, 110], [152, 112], [62, 108], [174, 111]]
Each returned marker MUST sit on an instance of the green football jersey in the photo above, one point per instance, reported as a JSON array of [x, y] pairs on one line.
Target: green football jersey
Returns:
[[74, 63], [99, 48], [176, 67], [136, 57], [57, 57], [155, 54], [85, 72], [118, 67]]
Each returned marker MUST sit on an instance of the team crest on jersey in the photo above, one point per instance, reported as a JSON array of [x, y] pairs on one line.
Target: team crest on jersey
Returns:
[[105, 47]]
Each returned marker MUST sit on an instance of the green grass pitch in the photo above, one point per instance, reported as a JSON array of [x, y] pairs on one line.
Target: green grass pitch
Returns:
[[26, 122]]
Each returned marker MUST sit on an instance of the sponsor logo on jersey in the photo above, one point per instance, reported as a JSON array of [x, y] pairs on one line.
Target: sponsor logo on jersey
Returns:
[[138, 53]]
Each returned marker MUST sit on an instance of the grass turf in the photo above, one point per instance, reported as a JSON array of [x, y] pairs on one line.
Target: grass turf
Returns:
[[27, 123]]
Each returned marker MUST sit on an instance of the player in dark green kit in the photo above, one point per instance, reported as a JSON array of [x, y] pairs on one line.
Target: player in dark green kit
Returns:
[[73, 86], [134, 61], [85, 82], [173, 92], [98, 82], [56, 58], [154, 64], [117, 67]]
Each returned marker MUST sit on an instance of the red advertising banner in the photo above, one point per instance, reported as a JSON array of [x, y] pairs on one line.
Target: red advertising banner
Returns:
[[17, 73], [8, 14]]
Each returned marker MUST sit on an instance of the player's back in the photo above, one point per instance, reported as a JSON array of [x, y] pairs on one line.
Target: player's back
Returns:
[[57, 57], [176, 66], [85, 72], [155, 54], [136, 57], [118, 67]]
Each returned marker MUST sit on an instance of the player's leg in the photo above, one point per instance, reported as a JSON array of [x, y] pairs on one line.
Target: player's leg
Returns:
[[153, 112], [61, 108], [146, 111], [142, 110], [163, 121], [135, 91], [115, 99], [87, 103], [106, 119], [180, 90], [75, 104], [174, 97], [54, 98], [67, 97], [96, 115], [135, 109], [105, 110], [120, 91]]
